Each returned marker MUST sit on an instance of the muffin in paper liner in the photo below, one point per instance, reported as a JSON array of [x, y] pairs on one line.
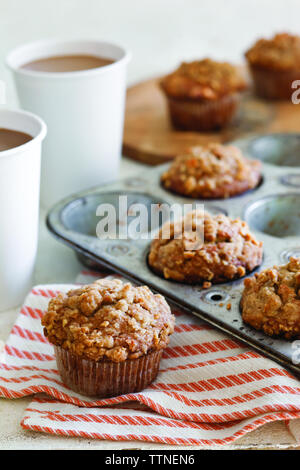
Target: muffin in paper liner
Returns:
[[105, 379], [108, 336], [274, 65], [274, 84], [203, 95], [203, 115]]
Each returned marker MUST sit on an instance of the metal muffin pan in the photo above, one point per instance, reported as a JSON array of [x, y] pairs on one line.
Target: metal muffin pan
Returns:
[[272, 211]]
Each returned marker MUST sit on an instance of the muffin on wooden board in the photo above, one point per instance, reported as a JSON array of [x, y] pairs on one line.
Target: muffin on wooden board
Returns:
[[227, 251], [271, 300], [214, 171], [108, 336], [203, 95], [274, 64]]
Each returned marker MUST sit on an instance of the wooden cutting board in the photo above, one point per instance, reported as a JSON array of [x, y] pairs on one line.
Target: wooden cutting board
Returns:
[[150, 138]]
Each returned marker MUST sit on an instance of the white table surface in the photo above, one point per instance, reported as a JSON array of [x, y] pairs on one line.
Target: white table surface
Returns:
[[160, 33]]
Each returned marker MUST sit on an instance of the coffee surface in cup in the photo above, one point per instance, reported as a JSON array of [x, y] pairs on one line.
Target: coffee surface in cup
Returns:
[[10, 139], [67, 63]]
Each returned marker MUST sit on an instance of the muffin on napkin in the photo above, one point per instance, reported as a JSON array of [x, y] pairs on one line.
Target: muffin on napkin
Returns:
[[108, 336]]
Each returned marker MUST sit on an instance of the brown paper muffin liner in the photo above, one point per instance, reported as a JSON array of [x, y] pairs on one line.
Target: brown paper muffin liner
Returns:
[[274, 84], [203, 115], [106, 378]]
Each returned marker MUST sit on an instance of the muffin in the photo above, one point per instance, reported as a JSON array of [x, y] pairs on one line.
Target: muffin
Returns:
[[274, 64], [108, 337], [227, 250], [215, 171], [271, 300], [203, 95]]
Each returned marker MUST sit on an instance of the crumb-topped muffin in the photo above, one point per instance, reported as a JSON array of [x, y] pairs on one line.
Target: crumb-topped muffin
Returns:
[[271, 300], [203, 95], [226, 251], [108, 336], [214, 171], [275, 64]]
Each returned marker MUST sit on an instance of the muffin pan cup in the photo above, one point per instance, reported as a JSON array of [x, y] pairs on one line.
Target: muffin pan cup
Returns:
[[265, 208]]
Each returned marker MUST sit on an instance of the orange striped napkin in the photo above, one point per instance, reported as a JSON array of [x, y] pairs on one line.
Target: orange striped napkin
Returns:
[[210, 389]]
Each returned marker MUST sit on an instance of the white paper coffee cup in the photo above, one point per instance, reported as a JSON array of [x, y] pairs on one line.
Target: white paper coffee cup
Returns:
[[19, 207], [83, 110]]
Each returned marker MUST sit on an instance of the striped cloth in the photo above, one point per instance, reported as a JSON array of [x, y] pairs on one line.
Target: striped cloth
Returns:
[[210, 390]]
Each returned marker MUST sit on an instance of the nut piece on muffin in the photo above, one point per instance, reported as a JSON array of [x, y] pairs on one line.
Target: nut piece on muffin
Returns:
[[203, 95], [108, 336], [271, 300], [228, 250], [214, 171], [274, 64]]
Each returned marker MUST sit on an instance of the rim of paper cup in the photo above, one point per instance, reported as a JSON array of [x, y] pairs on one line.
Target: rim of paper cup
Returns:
[[20, 148], [9, 61]]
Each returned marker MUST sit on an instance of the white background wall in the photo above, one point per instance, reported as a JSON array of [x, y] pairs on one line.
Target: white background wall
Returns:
[[160, 33]]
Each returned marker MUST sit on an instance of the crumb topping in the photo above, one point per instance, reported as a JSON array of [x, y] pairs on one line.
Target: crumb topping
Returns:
[[109, 320], [282, 52], [228, 249], [271, 300], [212, 171], [203, 79]]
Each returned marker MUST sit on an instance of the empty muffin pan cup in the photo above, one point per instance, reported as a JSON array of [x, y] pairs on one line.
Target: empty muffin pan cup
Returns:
[[282, 150], [278, 215], [272, 211]]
